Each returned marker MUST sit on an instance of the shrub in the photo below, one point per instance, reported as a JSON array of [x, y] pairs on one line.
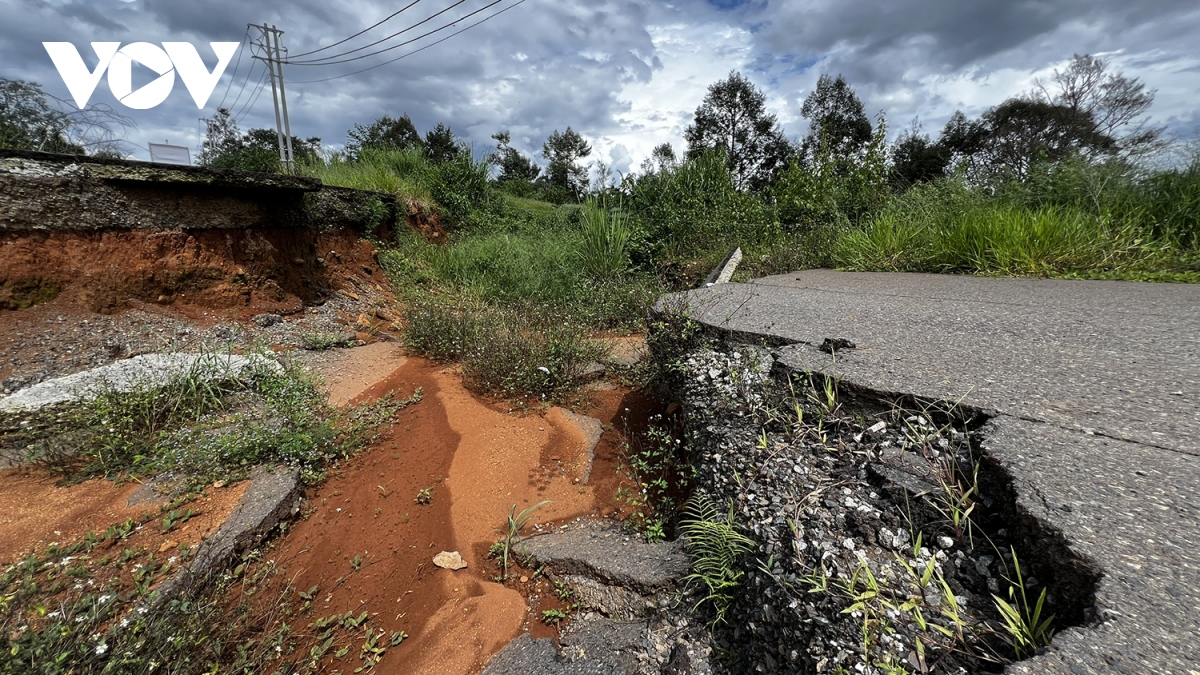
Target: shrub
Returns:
[[504, 352], [694, 207]]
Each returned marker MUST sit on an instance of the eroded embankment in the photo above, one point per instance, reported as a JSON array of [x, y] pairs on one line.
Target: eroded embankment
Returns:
[[103, 233], [879, 534], [260, 270]]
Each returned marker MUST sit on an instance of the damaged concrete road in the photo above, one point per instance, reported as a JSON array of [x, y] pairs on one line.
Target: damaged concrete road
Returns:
[[1094, 392]]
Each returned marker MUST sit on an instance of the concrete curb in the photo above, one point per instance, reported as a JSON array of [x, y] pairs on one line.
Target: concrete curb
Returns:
[[722, 273], [272, 498]]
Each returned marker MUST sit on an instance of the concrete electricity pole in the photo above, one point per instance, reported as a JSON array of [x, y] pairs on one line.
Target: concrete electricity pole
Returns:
[[273, 57]]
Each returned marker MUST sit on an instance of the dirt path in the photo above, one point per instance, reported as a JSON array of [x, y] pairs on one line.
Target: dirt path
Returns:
[[477, 462]]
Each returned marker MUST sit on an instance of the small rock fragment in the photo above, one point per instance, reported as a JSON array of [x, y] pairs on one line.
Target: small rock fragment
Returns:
[[450, 560]]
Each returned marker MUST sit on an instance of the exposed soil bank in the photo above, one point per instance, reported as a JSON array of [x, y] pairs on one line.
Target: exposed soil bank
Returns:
[[274, 270]]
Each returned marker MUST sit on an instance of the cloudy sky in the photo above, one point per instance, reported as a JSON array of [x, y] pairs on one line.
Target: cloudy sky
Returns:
[[627, 74]]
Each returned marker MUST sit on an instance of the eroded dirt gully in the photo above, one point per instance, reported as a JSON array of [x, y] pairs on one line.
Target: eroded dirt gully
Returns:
[[478, 460]]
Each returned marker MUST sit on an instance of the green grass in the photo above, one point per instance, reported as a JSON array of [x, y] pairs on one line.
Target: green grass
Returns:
[[402, 173], [928, 231], [504, 352], [458, 188], [197, 430]]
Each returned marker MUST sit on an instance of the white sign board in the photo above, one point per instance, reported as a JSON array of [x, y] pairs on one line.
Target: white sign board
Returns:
[[170, 154]]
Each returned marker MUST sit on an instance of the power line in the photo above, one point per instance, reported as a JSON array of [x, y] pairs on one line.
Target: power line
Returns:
[[325, 61], [258, 90], [368, 28], [419, 49], [236, 65], [249, 75]]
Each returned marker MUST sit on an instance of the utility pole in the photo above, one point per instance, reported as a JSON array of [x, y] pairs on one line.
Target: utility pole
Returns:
[[274, 61], [287, 124]]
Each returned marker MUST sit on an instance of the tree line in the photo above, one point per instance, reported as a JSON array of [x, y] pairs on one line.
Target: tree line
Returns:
[[1085, 110]]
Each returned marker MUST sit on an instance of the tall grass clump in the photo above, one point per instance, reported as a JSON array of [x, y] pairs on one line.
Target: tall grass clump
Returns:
[[948, 227], [1159, 205], [458, 187], [403, 173], [602, 252]]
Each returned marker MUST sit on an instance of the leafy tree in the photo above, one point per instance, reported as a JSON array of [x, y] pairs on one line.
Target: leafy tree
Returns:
[[836, 119], [917, 159], [963, 138], [31, 119], [564, 152], [225, 147], [512, 164], [384, 133], [733, 120], [1115, 104], [663, 157], [1022, 131], [441, 145]]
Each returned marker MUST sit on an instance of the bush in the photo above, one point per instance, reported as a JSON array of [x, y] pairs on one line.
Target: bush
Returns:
[[694, 208], [505, 352]]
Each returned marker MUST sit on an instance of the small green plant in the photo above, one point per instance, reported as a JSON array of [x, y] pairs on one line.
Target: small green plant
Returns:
[[504, 548], [424, 495], [956, 501], [1028, 630], [553, 617], [716, 549], [356, 562], [175, 517]]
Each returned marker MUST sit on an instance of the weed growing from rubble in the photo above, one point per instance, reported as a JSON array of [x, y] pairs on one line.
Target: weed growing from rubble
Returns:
[[553, 617], [656, 462], [716, 549], [956, 502], [505, 547], [317, 340], [1027, 629]]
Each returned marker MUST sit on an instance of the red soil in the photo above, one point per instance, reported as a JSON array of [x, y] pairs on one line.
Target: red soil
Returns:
[[261, 270], [37, 511], [479, 461]]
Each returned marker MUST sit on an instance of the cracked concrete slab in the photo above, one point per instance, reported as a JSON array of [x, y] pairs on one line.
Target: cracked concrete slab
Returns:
[[273, 497], [150, 371], [600, 550], [1094, 388], [1111, 357]]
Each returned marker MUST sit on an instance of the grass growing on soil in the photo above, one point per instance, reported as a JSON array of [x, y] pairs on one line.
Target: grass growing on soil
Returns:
[[197, 429], [945, 228], [86, 607]]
